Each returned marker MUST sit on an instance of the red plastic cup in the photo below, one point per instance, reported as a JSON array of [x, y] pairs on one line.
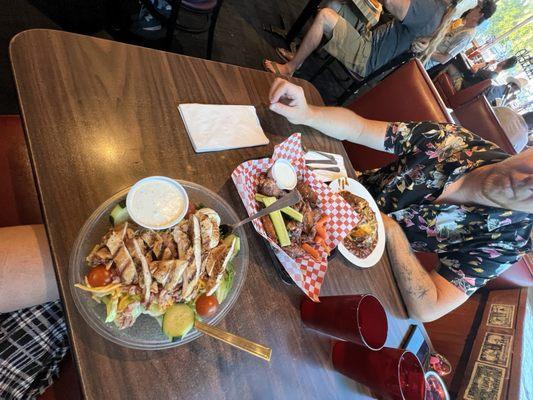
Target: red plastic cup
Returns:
[[359, 319], [393, 373]]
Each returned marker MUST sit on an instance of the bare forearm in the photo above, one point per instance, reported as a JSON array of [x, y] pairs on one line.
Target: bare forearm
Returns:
[[417, 288], [441, 58], [343, 124], [26, 273], [428, 296]]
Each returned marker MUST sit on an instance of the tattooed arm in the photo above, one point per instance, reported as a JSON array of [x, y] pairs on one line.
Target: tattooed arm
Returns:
[[428, 296]]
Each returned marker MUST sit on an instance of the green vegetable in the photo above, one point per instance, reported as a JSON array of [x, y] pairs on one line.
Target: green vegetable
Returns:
[[289, 211], [127, 300], [178, 320], [110, 307], [119, 215], [226, 284], [279, 224], [154, 310], [228, 240]]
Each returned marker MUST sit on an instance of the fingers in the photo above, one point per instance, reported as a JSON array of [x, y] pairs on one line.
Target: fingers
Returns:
[[274, 89], [281, 88], [282, 109]]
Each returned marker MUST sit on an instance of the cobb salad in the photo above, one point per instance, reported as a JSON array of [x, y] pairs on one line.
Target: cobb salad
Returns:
[[174, 275]]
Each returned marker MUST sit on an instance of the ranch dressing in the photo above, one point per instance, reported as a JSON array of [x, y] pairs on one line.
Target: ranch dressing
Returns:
[[157, 202], [284, 174]]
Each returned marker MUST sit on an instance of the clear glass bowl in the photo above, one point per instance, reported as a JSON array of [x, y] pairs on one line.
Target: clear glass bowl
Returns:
[[146, 333]]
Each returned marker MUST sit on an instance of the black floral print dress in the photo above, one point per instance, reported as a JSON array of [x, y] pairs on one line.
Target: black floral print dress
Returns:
[[474, 243]]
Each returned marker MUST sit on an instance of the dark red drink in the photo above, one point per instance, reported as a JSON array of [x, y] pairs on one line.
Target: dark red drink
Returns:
[[357, 318], [394, 373]]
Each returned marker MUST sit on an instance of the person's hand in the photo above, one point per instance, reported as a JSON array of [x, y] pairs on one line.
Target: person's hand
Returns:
[[419, 45], [288, 100]]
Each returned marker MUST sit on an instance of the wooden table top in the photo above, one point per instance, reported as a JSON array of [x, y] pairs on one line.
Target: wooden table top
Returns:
[[99, 115]]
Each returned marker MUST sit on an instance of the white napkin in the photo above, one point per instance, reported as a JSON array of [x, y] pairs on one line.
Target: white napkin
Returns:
[[322, 174], [222, 127]]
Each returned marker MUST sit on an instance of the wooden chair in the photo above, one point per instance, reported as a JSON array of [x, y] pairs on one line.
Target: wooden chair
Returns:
[[209, 8]]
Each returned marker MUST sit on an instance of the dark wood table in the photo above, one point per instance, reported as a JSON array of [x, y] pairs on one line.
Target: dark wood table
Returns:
[[100, 115]]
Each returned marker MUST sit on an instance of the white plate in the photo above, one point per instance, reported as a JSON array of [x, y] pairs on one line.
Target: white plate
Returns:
[[372, 259]]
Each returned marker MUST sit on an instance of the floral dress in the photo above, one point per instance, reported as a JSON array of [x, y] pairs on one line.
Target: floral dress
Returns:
[[474, 243]]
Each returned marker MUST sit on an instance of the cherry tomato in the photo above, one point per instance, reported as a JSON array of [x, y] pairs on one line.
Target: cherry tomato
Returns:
[[99, 276], [192, 209], [206, 305]]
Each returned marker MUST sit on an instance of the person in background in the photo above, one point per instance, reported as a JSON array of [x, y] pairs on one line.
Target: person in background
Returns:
[[514, 125], [462, 7], [498, 94], [146, 22], [478, 73], [359, 49], [484, 72], [460, 34], [450, 192]]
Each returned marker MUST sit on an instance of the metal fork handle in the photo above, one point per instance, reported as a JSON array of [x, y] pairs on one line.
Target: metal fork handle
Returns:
[[288, 200], [328, 156], [329, 162], [332, 169]]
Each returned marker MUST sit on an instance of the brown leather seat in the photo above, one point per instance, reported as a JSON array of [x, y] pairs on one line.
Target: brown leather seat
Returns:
[[478, 116], [453, 98], [18, 200], [409, 95], [19, 206], [405, 95]]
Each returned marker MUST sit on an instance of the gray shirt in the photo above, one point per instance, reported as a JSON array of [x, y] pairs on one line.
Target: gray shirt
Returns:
[[394, 38], [453, 43]]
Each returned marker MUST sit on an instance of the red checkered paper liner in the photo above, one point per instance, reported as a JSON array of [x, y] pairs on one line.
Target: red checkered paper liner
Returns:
[[306, 272]]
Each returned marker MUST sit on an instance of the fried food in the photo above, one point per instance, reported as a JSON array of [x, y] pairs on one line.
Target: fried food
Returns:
[[362, 240]]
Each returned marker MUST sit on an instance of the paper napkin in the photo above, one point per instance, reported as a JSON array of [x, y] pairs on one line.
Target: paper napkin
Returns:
[[222, 127]]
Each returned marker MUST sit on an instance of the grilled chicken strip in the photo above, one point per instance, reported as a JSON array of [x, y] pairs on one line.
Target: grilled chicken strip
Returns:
[[116, 239], [99, 255], [196, 243], [167, 255], [176, 274], [209, 232], [218, 271], [160, 270], [148, 237], [147, 277], [215, 255], [125, 265], [192, 273], [182, 241], [157, 248], [175, 277], [171, 251]]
